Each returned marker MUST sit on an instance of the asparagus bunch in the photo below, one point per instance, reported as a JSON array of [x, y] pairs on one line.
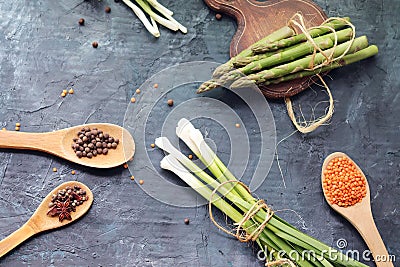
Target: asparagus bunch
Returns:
[[276, 59], [279, 240]]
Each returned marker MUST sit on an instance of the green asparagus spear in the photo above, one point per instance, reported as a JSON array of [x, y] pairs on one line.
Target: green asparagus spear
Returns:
[[301, 64], [264, 47], [282, 33], [346, 60]]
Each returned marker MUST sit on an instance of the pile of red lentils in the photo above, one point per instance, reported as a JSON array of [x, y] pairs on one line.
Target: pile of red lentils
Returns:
[[343, 183]]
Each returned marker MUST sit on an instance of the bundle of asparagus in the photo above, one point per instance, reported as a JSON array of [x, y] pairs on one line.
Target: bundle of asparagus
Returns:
[[284, 56], [255, 221]]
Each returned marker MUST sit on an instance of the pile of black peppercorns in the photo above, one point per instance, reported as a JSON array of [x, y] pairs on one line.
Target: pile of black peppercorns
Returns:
[[93, 142]]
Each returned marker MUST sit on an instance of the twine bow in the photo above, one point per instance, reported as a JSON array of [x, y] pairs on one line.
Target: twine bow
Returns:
[[313, 125]]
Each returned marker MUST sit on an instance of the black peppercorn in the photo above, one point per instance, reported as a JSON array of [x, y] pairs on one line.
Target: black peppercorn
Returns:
[[95, 44], [81, 21]]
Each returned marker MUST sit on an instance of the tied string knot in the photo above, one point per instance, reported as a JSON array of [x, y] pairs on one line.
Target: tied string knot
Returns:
[[329, 58], [241, 233]]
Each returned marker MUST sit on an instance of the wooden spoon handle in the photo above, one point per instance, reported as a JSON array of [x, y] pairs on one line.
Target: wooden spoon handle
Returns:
[[32, 141], [16, 238], [374, 241]]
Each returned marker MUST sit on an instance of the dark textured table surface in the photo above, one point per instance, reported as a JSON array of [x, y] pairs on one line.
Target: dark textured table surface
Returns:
[[43, 51]]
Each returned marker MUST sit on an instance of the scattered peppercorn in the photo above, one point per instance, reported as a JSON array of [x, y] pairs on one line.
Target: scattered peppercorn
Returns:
[[170, 102], [54, 169], [156, 85], [153, 145], [65, 201], [190, 156], [132, 177], [18, 124], [343, 183], [141, 182], [63, 94], [81, 21], [92, 142], [17, 128], [95, 44], [71, 91], [187, 221], [237, 125], [107, 9], [133, 100], [73, 172], [218, 16], [138, 91], [125, 166]]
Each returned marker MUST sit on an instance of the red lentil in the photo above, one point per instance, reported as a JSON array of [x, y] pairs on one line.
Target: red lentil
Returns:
[[343, 183]]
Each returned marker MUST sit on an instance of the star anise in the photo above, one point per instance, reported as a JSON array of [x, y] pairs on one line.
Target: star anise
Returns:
[[62, 210]]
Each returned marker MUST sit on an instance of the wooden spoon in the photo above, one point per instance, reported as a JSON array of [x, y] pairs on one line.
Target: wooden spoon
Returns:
[[360, 216], [59, 143], [40, 221]]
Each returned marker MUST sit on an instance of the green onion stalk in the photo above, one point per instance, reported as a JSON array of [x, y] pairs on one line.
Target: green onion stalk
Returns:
[[163, 16], [279, 240]]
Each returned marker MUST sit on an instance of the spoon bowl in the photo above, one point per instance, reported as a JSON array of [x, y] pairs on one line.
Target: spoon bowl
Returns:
[[40, 221], [59, 143], [360, 216]]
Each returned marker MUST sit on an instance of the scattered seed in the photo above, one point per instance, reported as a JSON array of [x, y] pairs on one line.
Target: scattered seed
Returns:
[[153, 145], [190, 156], [71, 91], [187, 221], [17, 128], [81, 21], [18, 124], [132, 177], [170, 102], [125, 166], [54, 169], [73, 172], [156, 85], [63, 94], [95, 44], [107, 9], [237, 125], [218, 16], [141, 182], [138, 91], [133, 100]]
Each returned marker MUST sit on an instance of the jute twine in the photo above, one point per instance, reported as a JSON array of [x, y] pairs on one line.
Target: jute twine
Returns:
[[241, 233], [313, 125]]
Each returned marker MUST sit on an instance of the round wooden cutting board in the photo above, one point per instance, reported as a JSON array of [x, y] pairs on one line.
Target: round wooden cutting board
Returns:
[[257, 19]]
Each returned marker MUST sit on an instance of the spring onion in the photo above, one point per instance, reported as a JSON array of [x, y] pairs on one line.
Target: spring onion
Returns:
[[280, 241], [163, 16]]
